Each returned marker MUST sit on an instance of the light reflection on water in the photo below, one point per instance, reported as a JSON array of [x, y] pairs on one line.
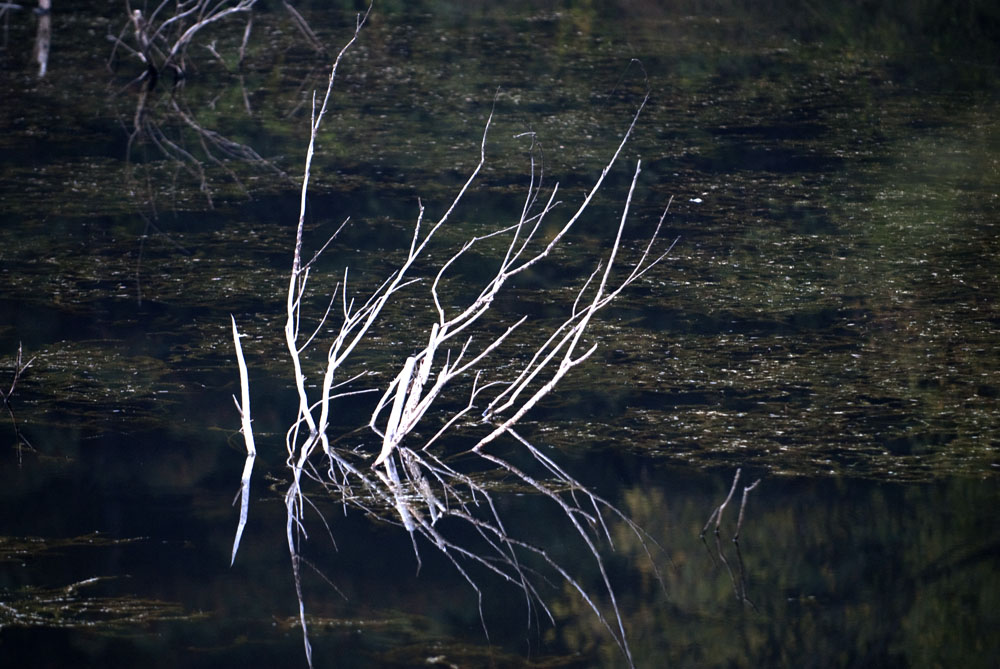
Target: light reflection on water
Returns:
[[828, 321]]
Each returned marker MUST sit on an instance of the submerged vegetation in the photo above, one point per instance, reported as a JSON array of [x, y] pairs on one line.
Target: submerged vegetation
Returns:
[[74, 605]]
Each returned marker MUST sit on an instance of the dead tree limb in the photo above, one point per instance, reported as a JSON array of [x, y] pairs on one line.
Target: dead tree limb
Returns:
[[408, 479]]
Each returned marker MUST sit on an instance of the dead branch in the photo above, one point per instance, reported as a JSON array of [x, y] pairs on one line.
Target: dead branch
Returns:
[[19, 368], [717, 513], [409, 482]]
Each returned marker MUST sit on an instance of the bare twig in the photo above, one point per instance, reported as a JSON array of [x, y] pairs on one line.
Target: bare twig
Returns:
[[243, 406], [743, 507], [717, 514], [739, 581], [19, 367], [304, 28]]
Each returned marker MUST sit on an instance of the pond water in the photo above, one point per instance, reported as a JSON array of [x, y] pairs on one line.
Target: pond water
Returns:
[[827, 323]]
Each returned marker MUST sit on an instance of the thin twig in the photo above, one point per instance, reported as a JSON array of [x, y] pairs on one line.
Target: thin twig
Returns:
[[743, 506], [717, 514], [247, 429]]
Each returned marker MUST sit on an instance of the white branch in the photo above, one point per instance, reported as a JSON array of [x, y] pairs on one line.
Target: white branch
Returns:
[[244, 408], [408, 484]]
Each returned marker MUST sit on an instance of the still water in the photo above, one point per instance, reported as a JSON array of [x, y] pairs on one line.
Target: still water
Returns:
[[827, 323]]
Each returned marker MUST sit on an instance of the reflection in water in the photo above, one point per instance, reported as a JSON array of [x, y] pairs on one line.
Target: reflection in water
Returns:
[[889, 574], [43, 39], [7, 396], [869, 579], [160, 41]]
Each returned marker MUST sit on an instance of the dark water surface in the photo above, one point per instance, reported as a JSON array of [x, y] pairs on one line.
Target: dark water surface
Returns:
[[828, 322]]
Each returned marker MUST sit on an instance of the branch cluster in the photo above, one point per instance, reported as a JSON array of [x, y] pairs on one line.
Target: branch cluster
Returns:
[[160, 38], [409, 482]]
